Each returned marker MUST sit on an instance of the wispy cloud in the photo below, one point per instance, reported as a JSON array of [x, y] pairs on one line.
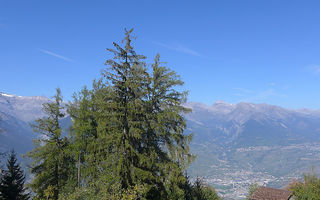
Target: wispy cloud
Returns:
[[179, 48], [56, 55]]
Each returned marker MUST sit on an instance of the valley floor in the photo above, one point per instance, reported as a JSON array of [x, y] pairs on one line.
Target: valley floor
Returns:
[[234, 170]]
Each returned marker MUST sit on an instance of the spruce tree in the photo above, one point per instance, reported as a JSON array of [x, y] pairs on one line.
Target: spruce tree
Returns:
[[12, 181], [119, 101], [51, 165]]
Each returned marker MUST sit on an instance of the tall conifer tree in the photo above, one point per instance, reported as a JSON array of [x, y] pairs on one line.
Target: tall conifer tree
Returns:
[[84, 134], [125, 81], [128, 130], [143, 125]]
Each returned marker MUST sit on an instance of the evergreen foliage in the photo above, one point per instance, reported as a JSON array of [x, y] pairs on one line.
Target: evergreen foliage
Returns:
[[52, 164], [201, 191], [84, 136], [128, 130], [12, 181]]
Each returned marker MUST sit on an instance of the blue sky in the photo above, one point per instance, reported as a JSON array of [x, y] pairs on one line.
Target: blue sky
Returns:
[[265, 51]]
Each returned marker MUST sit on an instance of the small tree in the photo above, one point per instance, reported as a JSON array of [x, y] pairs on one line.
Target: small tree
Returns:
[[202, 191], [51, 165], [12, 181], [252, 189]]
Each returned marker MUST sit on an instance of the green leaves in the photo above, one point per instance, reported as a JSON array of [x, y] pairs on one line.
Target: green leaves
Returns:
[[307, 190]]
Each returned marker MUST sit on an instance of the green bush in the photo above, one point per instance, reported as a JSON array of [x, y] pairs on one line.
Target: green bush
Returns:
[[309, 189]]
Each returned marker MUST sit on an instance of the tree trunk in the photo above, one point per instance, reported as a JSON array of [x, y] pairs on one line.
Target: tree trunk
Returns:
[[79, 167]]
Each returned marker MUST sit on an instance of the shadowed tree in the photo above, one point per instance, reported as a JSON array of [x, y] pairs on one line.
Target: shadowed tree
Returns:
[[12, 181]]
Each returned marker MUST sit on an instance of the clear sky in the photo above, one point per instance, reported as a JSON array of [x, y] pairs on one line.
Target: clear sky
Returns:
[[265, 51]]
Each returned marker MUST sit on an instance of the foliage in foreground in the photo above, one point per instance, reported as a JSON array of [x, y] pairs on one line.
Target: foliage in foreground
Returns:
[[12, 181], [201, 191], [308, 189], [252, 189], [52, 165]]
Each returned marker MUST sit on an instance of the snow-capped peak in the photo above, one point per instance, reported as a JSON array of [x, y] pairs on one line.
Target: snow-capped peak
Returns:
[[6, 95]]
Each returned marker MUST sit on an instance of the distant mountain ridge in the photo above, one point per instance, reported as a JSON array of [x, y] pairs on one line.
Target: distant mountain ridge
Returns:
[[236, 144], [223, 122], [234, 122], [240, 144], [23, 108], [16, 112]]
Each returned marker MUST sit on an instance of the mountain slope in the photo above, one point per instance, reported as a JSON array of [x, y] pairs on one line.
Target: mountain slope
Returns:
[[247, 124], [23, 108], [240, 144], [16, 112], [15, 134]]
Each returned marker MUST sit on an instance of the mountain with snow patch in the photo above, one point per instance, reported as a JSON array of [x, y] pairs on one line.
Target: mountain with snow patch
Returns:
[[236, 144], [246, 124]]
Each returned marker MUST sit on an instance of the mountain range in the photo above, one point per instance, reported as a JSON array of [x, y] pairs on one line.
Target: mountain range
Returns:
[[249, 124], [240, 144], [235, 144], [16, 112]]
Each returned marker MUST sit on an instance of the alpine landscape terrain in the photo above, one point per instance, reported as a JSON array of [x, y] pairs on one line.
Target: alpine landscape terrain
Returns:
[[236, 144]]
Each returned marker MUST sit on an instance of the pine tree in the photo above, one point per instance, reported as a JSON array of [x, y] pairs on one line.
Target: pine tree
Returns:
[[201, 191], [140, 126], [12, 181], [51, 165], [119, 107]]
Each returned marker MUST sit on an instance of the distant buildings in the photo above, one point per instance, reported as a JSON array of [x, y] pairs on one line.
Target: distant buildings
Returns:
[[265, 193]]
